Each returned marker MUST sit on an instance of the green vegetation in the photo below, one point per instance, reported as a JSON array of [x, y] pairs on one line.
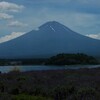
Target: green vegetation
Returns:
[[15, 69], [82, 84], [5, 62], [60, 59], [71, 59], [28, 97]]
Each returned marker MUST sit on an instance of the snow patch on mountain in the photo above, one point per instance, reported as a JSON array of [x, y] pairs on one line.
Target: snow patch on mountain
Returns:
[[52, 28], [95, 36]]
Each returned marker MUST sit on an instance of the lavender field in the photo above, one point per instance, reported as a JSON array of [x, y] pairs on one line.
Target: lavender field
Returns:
[[81, 84]]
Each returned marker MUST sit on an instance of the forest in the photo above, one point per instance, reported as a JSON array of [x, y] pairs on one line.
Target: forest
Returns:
[[59, 59]]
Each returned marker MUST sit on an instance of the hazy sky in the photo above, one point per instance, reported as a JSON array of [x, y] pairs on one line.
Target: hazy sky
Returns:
[[20, 16]]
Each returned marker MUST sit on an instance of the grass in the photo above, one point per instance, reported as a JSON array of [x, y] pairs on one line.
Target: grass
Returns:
[[28, 97]]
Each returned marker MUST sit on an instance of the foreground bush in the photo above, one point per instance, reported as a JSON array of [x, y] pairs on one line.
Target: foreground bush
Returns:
[[29, 97], [82, 84]]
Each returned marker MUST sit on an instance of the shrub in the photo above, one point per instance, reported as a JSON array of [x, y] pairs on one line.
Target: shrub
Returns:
[[62, 92], [14, 70], [29, 97], [87, 93]]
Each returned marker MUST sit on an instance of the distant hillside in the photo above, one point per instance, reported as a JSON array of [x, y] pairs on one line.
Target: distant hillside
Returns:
[[52, 38], [71, 59], [60, 59]]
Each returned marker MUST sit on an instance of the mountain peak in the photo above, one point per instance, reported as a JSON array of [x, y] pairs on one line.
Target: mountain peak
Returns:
[[53, 23], [54, 26], [52, 38], [50, 23]]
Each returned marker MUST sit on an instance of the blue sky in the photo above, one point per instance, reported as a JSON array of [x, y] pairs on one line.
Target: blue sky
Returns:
[[20, 16]]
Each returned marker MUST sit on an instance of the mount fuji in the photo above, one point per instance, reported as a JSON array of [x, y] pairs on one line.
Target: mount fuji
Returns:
[[50, 39]]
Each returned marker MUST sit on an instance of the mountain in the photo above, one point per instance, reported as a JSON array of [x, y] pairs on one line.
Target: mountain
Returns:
[[50, 39]]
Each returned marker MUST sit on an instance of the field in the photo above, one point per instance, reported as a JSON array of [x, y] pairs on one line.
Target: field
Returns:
[[82, 84]]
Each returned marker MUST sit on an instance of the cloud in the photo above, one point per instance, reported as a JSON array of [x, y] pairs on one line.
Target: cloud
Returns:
[[80, 22], [5, 16], [95, 36], [45, 1], [84, 6], [17, 24], [11, 36], [7, 6]]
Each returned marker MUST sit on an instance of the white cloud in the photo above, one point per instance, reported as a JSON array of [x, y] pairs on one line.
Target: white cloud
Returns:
[[11, 36], [7, 6], [5, 16], [95, 36], [17, 24]]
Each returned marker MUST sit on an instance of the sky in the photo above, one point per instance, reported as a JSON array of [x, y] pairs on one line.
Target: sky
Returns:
[[18, 17]]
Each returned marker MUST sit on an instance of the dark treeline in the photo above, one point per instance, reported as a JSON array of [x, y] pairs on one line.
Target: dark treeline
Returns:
[[60, 59], [70, 59], [22, 61]]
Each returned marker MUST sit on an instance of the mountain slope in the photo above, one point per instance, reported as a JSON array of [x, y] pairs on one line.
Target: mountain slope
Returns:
[[51, 38]]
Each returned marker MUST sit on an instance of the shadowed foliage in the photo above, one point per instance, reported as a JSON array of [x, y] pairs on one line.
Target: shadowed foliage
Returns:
[[82, 84]]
